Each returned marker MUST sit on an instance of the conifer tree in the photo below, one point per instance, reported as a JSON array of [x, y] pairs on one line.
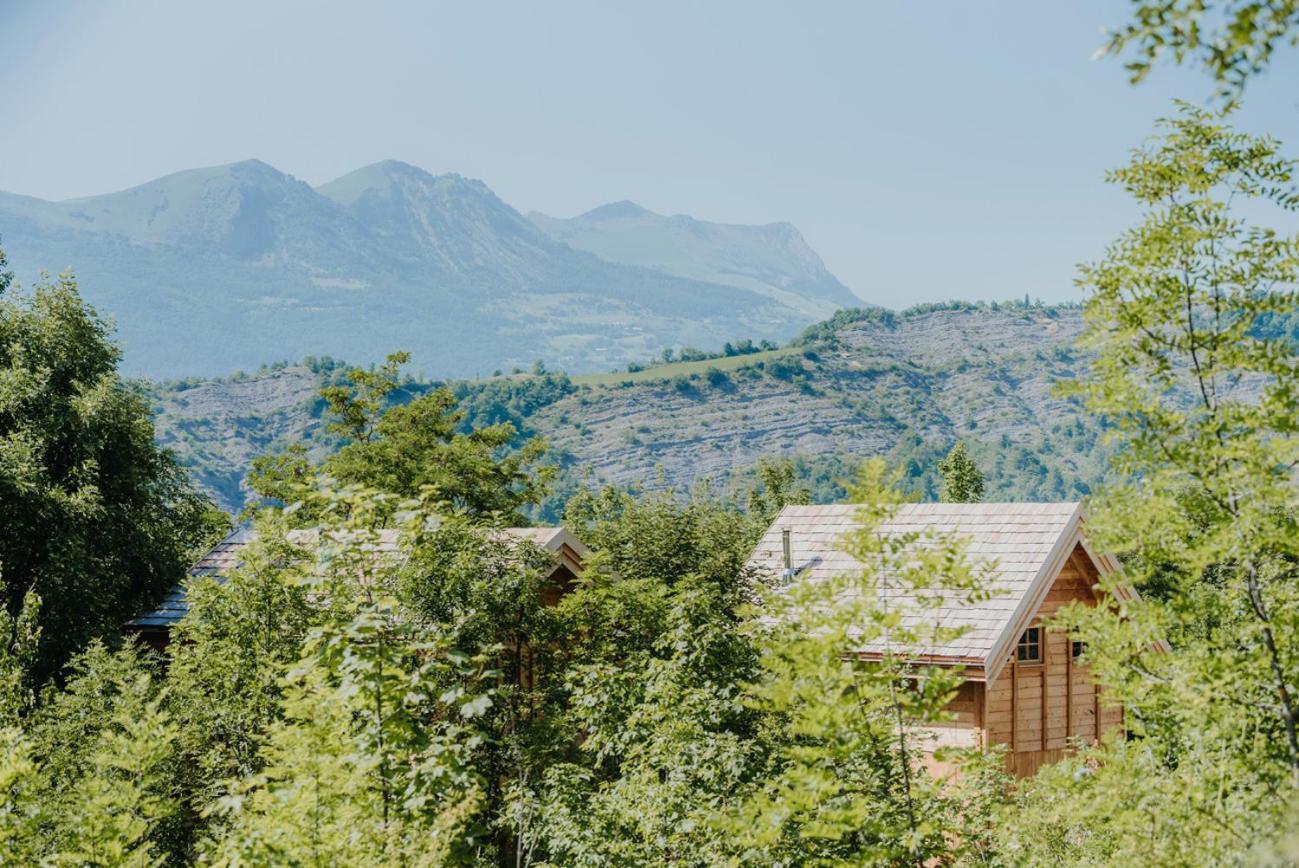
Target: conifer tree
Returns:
[[962, 481]]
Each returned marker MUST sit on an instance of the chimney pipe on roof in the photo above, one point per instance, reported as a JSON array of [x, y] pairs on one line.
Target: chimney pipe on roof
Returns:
[[789, 558]]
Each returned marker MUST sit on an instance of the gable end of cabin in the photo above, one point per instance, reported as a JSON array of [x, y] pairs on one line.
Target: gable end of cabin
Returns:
[[1041, 699]]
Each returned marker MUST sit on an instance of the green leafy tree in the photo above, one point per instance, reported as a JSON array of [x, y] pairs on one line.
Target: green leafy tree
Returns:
[[1234, 40], [87, 779], [1202, 404], [663, 536], [846, 785], [962, 481], [20, 803], [480, 590], [405, 448], [777, 487], [651, 665], [370, 763], [708, 739], [19, 643], [665, 739], [97, 520], [227, 662], [113, 811]]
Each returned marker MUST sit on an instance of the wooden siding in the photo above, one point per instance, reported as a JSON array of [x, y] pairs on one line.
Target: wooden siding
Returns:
[[1036, 708]]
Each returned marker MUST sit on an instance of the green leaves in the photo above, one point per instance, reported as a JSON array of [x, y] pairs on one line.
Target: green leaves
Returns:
[[19, 643], [962, 481], [845, 783], [715, 736], [1200, 402], [115, 809], [411, 450], [370, 760], [88, 777], [1233, 40], [95, 519]]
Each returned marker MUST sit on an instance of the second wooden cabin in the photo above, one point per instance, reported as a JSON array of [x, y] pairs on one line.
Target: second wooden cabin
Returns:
[[154, 627], [1024, 685]]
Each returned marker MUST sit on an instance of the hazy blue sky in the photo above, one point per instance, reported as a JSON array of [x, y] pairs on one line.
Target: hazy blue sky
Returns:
[[927, 150]]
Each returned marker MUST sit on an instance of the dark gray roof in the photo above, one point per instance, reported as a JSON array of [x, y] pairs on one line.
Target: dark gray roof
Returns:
[[220, 559]]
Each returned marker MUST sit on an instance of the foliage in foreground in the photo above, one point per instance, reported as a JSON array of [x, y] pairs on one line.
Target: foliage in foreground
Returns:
[[748, 737], [1203, 406], [408, 448], [1234, 40], [97, 520]]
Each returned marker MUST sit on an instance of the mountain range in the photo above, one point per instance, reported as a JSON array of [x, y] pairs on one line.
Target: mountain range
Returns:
[[218, 269]]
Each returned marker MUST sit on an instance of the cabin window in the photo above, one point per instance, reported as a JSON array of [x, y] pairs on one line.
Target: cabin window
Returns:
[[1030, 646], [1077, 649]]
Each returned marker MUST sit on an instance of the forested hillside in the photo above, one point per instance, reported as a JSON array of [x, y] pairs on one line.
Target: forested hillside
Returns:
[[864, 383]]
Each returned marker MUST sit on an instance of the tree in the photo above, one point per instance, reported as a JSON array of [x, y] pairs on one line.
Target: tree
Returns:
[[370, 762], [228, 659], [86, 780], [19, 644], [404, 448], [665, 536], [1202, 403], [962, 481], [845, 786], [96, 519], [114, 811], [20, 787], [651, 666], [1233, 40], [714, 737], [777, 487], [480, 590], [654, 701]]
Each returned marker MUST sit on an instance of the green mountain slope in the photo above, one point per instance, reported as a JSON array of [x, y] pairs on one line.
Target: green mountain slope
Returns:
[[236, 266], [869, 382]]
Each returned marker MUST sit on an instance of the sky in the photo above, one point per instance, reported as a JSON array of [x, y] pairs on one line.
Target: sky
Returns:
[[927, 151]]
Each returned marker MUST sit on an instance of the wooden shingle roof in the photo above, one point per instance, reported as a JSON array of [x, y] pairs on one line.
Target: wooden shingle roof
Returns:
[[1024, 545]]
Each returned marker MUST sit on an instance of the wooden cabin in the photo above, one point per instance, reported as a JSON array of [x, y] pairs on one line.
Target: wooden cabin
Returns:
[[154, 627], [1024, 685]]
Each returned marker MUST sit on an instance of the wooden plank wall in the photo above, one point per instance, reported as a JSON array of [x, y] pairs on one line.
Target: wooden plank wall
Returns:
[[1037, 707]]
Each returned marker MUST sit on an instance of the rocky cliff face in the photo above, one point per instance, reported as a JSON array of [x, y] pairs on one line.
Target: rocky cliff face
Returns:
[[218, 427], [889, 385], [981, 375]]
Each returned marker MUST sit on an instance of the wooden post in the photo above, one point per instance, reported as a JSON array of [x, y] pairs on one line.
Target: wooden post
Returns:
[[981, 712], [1068, 694], [1096, 708], [1014, 708], [1046, 643]]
